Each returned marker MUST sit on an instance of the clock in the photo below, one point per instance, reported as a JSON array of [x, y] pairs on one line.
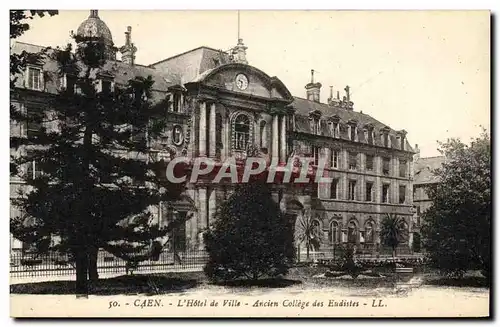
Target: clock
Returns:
[[241, 81]]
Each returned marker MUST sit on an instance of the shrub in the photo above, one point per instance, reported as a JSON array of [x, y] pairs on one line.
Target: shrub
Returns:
[[250, 237]]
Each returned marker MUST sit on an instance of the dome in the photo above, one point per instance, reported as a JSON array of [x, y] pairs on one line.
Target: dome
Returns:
[[94, 26]]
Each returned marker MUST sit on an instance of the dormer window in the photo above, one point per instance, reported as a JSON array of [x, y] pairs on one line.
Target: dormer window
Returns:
[[386, 140], [353, 132], [34, 78], [176, 102], [315, 124]]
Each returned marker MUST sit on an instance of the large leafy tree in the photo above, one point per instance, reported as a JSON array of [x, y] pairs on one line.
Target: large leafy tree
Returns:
[[250, 237], [393, 231], [98, 177], [457, 226]]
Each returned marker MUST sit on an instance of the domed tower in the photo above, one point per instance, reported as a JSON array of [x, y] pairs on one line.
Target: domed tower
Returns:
[[95, 27]]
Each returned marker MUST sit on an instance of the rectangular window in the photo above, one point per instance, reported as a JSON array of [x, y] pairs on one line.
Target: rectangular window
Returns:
[[333, 188], [369, 162], [352, 135], [352, 190], [34, 79], [316, 153], [386, 139], [402, 168], [402, 194], [32, 168], [386, 166], [385, 193], [369, 190], [34, 124], [353, 160], [335, 158], [370, 137]]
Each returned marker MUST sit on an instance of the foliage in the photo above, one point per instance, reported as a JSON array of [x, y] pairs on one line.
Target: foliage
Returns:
[[457, 228], [348, 262], [417, 243], [97, 179], [250, 237], [393, 231], [308, 232]]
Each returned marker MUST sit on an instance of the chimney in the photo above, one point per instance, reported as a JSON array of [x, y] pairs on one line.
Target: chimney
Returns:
[[334, 102], [346, 100], [416, 156], [313, 89], [128, 50]]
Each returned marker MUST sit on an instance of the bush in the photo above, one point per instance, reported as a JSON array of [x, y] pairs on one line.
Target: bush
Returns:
[[349, 264], [250, 237]]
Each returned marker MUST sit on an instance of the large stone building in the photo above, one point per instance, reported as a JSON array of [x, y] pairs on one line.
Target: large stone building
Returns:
[[221, 104], [424, 177]]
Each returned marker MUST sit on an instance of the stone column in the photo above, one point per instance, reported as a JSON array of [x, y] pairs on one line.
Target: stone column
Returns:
[[378, 181], [202, 215], [212, 203], [203, 130], [226, 148], [275, 153], [212, 131], [194, 221], [283, 138]]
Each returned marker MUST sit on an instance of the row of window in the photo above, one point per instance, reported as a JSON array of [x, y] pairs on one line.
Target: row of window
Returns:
[[354, 235], [352, 132], [335, 161], [353, 195]]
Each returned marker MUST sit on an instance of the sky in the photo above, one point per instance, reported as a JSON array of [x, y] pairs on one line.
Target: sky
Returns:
[[427, 72]]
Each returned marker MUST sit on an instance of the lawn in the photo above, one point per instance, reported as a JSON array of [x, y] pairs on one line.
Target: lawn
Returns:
[[298, 279]]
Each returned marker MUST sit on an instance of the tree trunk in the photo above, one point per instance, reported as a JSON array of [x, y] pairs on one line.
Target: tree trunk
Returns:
[[394, 253], [307, 252], [81, 261], [92, 257]]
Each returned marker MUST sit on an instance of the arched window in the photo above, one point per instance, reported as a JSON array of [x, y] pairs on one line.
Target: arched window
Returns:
[[369, 232], [263, 134], [334, 233], [352, 232], [241, 132]]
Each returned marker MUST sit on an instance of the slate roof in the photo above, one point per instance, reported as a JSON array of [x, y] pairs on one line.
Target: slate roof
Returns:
[[304, 107], [188, 66], [121, 71], [424, 168]]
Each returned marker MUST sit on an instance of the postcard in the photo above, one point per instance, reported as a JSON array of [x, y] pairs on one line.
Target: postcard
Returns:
[[282, 164]]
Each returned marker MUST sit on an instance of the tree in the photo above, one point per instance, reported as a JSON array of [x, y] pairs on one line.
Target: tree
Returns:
[[308, 233], [457, 230], [98, 177], [250, 236], [393, 231], [18, 61]]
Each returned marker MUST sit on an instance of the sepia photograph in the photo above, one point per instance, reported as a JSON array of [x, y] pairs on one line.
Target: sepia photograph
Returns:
[[250, 163]]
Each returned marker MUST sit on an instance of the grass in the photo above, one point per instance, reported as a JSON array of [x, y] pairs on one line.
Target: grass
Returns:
[[298, 278]]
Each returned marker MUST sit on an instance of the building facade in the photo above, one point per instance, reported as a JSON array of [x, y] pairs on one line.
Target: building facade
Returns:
[[424, 177], [220, 106]]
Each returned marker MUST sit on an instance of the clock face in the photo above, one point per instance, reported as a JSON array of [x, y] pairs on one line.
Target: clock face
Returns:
[[241, 81]]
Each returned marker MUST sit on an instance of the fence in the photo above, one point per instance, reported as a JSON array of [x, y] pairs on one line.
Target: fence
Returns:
[[53, 264], [24, 265]]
